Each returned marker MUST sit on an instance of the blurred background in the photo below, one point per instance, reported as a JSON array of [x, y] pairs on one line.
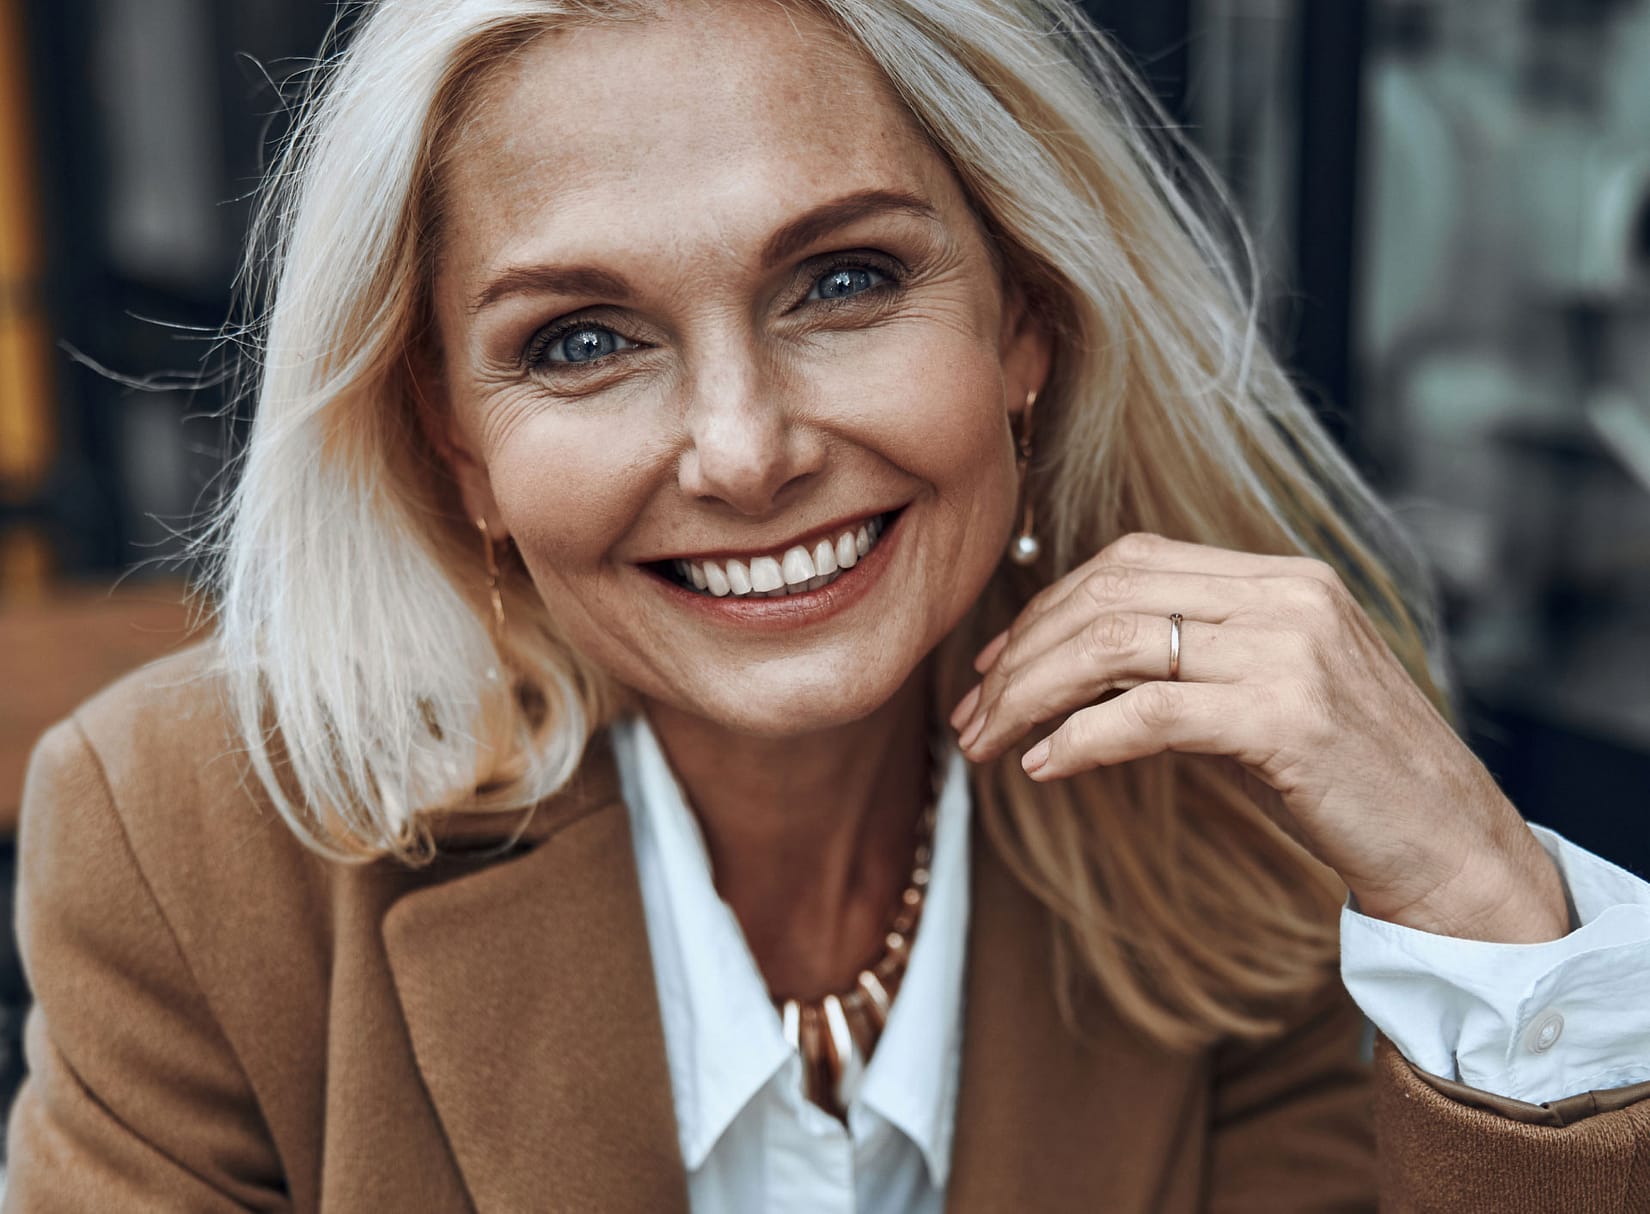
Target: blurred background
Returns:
[[1452, 198]]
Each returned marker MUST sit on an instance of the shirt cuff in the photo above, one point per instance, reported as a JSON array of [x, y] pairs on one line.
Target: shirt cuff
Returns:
[[1533, 1022]]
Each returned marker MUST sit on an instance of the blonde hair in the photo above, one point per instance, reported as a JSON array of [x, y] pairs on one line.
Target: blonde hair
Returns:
[[352, 612]]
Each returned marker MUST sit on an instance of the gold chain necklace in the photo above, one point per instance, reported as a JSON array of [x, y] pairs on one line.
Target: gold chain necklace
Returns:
[[837, 1032]]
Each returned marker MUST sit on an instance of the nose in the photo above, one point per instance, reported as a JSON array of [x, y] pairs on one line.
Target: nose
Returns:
[[746, 445]]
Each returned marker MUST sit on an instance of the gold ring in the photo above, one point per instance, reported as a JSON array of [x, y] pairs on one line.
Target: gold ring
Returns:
[[1174, 646]]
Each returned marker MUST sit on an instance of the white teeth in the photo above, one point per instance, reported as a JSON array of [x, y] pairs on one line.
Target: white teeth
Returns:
[[796, 572], [799, 566]]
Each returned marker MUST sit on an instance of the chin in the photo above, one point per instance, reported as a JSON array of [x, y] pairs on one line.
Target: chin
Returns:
[[796, 697]]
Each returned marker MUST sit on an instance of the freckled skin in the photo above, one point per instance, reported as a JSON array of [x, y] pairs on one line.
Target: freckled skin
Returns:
[[736, 415]]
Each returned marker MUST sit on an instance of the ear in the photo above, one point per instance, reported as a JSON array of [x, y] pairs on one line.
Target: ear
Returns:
[[439, 423], [1027, 349]]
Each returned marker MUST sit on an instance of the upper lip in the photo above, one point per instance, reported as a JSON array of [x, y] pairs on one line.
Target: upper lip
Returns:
[[807, 539]]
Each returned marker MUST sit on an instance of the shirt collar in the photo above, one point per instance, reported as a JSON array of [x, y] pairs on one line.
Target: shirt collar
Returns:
[[722, 1034]]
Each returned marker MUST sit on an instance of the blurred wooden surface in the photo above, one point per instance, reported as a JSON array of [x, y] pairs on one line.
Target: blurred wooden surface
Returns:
[[56, 652]]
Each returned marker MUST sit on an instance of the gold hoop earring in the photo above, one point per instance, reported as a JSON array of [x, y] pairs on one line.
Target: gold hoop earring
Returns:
[[493, 592], [1025, 549]]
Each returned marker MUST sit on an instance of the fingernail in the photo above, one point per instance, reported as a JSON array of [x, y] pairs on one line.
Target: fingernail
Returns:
[[965, 708], [973, 731], [1035, 757], [989, 654]]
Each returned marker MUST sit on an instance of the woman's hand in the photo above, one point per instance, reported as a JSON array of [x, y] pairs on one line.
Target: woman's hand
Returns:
[[1281, 671]]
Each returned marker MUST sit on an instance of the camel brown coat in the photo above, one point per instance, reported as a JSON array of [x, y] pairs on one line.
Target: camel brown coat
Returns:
[[226, 1021]]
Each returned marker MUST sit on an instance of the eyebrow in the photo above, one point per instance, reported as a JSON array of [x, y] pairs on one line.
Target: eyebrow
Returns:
[[551, 280], [811, 225], [793, 236]]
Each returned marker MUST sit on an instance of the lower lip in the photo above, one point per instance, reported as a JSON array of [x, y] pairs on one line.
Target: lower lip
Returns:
[[793, 610]]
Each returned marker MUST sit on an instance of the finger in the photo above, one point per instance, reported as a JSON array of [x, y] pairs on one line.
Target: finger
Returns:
[[1118, 650], [992, 648], [1212, 598], [1159, 551], [1200, 718], [1148, 550]]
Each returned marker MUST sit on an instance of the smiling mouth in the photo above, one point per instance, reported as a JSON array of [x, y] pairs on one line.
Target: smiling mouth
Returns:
[[796, 570]]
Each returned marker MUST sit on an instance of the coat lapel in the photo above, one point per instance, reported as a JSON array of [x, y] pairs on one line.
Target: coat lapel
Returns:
[[528, 992], [1045, 1122]]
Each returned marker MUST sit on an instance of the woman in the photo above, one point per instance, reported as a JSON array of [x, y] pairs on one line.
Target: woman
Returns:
[[565, 817]]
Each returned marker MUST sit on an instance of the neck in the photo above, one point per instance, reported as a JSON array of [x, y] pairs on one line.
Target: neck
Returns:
[[810, 838]]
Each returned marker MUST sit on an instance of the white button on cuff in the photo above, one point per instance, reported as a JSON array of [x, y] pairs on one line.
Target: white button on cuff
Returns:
[[1544, 1033]]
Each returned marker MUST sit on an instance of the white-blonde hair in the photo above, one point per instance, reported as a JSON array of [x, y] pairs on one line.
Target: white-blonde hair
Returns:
[[353, 618]]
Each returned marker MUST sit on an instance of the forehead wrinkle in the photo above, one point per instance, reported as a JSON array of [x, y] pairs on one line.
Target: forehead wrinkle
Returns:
[[706, 159], [516, 158], [610, 73]]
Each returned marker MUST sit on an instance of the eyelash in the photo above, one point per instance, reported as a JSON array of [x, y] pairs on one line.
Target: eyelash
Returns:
[[535, 357]]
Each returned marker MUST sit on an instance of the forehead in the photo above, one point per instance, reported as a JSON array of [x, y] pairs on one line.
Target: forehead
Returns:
[[711, 119]]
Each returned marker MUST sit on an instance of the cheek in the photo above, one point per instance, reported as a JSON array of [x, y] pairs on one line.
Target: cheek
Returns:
[[950, 431], [565, 493], [944, 425]]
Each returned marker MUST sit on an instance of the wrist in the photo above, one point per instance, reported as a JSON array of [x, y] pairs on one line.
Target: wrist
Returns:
[[1505, 895]]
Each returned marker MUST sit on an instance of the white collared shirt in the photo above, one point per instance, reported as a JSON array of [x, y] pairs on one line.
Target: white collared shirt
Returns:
[[750, 1140], [1561, 1018]]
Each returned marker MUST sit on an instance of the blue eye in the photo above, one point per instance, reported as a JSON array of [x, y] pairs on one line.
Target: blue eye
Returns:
[[845, 280], [576, 343]]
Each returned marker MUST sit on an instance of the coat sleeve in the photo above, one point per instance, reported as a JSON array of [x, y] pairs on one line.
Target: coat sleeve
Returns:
[[1301, 1123], [134, 1099], [1446, 1147]]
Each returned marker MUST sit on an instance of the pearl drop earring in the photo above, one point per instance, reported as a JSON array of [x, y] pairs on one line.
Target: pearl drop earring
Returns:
[[1025, 549]]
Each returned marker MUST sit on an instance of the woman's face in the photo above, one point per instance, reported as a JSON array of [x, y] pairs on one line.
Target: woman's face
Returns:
[[707, 300]]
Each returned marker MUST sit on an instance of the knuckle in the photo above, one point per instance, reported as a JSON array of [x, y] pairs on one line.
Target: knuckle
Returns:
[[1311, 594], [1076, 735], [1301, 652], [1133, 547], [1155, 705], [1325, 574], [1106, 636], [1110, 584], [1317, 568]]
